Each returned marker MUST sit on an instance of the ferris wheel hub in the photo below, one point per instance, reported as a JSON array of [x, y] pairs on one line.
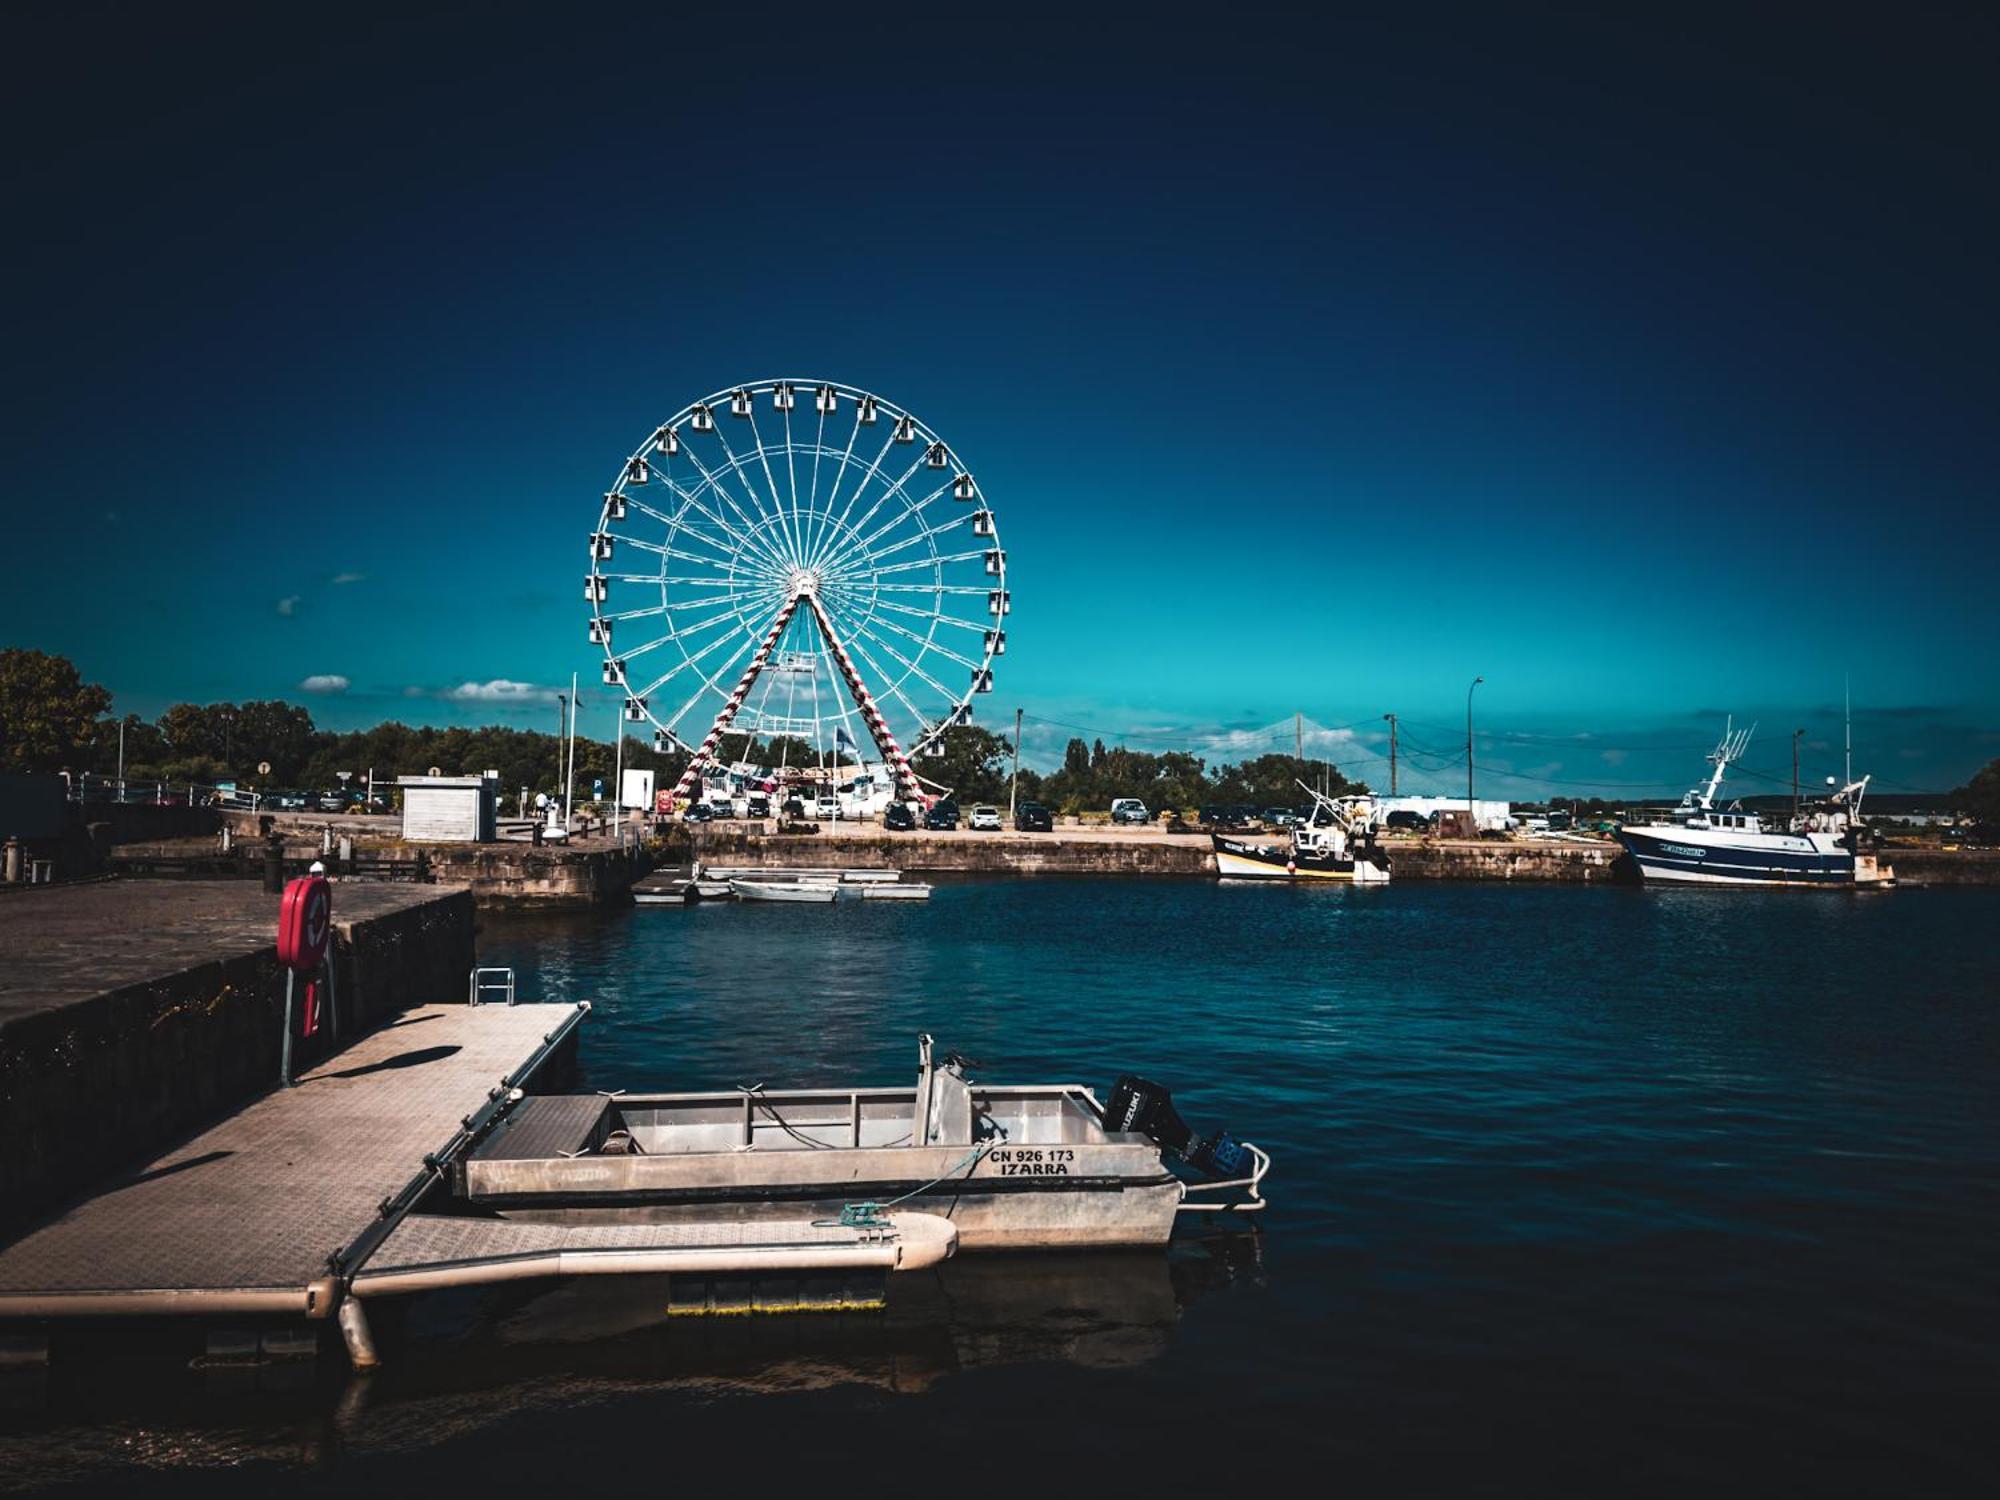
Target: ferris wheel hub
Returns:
[[803, 582]]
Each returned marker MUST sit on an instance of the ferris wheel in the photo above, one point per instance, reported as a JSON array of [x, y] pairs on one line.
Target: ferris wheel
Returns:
[[798, 558]]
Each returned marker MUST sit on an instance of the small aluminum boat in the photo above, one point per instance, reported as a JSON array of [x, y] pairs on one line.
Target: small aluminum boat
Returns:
[[781, 890], [1013, 1167], [902, 890]]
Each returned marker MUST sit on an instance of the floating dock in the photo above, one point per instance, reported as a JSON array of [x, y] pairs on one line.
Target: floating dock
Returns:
[[268, 1211], [307, 1199]]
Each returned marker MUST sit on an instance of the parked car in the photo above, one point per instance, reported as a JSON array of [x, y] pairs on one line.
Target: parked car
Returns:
[[699, 812], [986, 818], [1280, 817], [794, 808], [758, 804], [826, 809], [1405, 821], [1129, 810], [1032, 817], [898, 818], [943, 817]]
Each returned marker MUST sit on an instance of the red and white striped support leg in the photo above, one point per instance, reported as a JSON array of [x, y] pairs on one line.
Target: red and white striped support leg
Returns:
[[906, 779], [706, 752]]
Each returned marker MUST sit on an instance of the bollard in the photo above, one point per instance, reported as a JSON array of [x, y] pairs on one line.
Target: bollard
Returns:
[[11, 867]]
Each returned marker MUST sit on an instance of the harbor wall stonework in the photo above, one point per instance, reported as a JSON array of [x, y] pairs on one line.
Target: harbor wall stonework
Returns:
[[88, 1086], [1140, 854]]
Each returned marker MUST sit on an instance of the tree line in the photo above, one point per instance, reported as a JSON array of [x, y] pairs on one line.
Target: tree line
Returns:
[[52, 720]]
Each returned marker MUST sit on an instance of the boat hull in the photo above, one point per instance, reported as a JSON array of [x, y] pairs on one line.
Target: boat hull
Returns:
[[1237, 859], [1677, 856], [758, 890], [1008, 1198]]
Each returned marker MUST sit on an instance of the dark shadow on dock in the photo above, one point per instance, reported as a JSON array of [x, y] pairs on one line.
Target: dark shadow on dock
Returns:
[[414, 1059], [169, 1170], [411, 1021]]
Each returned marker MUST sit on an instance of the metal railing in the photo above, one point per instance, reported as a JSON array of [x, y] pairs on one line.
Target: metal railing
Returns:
[[485, 983]]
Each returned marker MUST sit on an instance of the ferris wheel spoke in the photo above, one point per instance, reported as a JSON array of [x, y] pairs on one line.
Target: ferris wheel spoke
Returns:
[[926, 643], [812, 494], [927, 534], [752, 537], [764, 461], [709, 682], [888, 648], [792, 477], [931, 588], [868, 476], [865, 544], [834, 554], [689, 659], [980, 626], [925, 562]]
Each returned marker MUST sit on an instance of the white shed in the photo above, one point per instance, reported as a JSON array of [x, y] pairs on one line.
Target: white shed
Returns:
[[449, 809]]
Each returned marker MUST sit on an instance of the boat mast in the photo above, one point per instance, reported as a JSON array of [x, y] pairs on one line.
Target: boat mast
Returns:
[[1734, 742]]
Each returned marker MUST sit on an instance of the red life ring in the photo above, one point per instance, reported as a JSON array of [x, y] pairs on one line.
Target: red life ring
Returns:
[[305, 923]]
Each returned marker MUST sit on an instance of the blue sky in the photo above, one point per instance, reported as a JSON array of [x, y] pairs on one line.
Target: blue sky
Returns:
[[1313, 361]]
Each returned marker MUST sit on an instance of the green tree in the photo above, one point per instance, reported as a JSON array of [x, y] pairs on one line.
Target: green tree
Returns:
[[1979, 798], [48, 713]]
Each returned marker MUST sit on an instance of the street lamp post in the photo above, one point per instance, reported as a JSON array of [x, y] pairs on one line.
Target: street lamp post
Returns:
[[1014, 782], [1471, 812]]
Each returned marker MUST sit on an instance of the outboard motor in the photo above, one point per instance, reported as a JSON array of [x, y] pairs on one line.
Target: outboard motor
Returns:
[[1139, 1104]]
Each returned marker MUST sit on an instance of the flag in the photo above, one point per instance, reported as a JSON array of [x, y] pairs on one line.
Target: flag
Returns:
[[842, 737]]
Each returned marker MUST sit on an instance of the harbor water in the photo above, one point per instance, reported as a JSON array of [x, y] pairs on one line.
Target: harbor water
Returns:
[[1575, 1190]]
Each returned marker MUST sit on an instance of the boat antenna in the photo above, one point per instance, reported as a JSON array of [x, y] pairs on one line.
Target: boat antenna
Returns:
[[1847, 695]]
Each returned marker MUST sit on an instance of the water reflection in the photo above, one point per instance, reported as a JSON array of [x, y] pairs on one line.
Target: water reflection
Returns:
[[458, 1363]]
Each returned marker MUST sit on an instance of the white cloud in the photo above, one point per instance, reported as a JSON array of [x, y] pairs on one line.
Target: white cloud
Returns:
[[324, 682], [349, 577], [413, 691], [500, 690], [289, 605], [1613, 757]]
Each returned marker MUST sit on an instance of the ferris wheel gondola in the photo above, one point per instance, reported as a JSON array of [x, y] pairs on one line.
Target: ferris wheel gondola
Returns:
[[817, 573]]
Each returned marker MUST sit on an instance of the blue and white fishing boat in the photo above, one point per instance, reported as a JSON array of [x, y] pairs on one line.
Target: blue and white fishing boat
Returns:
[[1702, 842]]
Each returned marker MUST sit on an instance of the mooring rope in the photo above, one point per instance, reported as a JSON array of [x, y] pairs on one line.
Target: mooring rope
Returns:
[[876, 1215]]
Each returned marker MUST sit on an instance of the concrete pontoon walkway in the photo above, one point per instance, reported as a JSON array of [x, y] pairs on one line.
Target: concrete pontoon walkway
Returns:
[[246, 1216]]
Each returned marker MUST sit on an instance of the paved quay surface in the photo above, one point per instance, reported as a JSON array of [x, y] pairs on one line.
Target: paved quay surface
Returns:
[[257, 1202], [62, 944]]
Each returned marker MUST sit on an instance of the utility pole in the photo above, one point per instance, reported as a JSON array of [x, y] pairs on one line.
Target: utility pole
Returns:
[[121, 760], [618, 773], [1795, 771], [1392, 753], [1014, 784], [569, 774], [562, 732], [1471, 812]]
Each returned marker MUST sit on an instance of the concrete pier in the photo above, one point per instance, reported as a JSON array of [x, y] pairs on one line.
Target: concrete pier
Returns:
[[269, 1210], [133, 1011]]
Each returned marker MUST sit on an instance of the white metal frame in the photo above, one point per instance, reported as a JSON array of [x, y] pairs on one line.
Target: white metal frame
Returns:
[[763, 498]]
